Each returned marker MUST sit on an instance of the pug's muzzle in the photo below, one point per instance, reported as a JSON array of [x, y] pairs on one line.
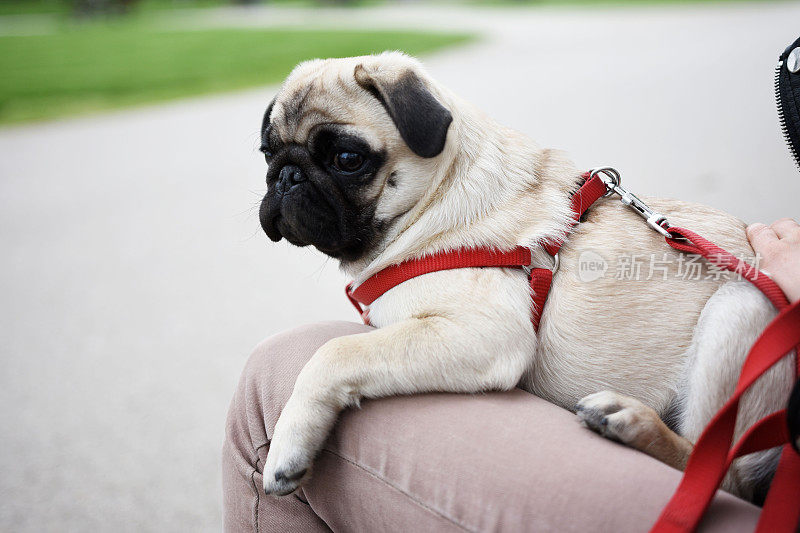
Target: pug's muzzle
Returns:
[[299, 204], [306, 205]]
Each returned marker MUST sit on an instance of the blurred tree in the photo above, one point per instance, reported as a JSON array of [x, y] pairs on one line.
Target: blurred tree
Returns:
[[93, 8]]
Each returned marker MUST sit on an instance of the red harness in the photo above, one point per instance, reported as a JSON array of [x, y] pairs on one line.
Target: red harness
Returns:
[[712, 454], [592, 189]]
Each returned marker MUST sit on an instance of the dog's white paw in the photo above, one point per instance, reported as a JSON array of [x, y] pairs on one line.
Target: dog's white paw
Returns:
[[286, 469], [291, 451], [618, 417]]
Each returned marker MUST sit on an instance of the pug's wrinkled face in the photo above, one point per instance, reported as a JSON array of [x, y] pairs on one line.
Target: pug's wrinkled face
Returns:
[[348, 143]]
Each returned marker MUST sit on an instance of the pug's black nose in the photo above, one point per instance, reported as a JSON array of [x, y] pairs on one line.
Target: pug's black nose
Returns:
[[289, 176]]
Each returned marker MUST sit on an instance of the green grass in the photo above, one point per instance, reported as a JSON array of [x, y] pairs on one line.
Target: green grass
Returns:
[[102, 66], [63, 7]]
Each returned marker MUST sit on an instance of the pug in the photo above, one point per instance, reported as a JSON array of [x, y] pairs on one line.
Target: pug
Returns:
[[374, 163]]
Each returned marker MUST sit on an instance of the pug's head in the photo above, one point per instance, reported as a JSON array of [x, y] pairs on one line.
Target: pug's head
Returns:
[[350, 146]]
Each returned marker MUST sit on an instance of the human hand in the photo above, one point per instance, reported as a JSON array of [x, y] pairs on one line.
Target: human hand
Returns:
[[778, 246]]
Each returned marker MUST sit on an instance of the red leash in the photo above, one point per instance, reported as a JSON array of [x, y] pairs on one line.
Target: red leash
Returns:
[[712, 454]]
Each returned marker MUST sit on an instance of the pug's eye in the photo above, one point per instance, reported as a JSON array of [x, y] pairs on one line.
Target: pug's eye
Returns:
[[348, 161]]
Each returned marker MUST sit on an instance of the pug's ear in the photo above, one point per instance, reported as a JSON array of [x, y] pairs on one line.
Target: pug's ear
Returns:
[[421, 120], [266, 126]]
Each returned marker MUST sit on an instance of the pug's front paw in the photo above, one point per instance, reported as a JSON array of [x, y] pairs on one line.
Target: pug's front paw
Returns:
[[286, 469]]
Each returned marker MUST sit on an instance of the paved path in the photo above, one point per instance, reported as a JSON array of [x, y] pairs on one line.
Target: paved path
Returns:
[[135, 278]]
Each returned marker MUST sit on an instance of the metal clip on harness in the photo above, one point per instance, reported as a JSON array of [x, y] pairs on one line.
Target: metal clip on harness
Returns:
[[613, 181]]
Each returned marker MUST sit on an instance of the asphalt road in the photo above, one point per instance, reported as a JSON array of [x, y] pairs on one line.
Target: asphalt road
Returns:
[[135, 278]]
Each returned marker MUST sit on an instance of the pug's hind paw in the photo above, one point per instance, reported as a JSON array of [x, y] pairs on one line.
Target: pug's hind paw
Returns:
[[618, 418]]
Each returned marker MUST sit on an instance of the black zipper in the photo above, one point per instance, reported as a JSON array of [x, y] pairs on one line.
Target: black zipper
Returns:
[[783, 91]]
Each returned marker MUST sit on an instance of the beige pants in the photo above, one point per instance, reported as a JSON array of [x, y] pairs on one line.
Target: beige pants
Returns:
[[441, 462]]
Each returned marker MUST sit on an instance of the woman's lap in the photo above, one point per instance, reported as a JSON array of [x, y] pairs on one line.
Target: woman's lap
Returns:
[[489, 462]]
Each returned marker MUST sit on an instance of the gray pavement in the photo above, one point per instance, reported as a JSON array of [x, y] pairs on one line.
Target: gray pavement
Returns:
[[135, 277]]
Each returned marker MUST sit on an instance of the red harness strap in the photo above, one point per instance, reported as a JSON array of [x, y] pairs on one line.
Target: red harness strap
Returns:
[[540, 278]]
